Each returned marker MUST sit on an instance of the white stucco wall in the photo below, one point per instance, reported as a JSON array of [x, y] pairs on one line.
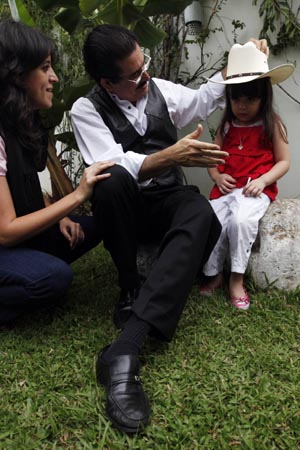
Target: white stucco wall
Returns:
[[288, 109]]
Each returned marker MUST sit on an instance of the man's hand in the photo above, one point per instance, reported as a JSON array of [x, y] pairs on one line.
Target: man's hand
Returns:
[[189, 152], [72, 231], [261, 44]]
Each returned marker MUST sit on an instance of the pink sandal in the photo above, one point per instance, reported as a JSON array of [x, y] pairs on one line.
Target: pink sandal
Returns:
[[241, 302]]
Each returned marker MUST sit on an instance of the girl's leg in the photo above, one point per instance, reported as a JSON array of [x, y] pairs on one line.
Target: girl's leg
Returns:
[[246, 213], [30, 280], [213, 269], [215, 263], [236, 284], [238, 295]]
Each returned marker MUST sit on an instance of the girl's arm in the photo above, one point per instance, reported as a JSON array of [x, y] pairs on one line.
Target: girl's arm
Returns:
[[226, 183], [14, 230], [280, 168]]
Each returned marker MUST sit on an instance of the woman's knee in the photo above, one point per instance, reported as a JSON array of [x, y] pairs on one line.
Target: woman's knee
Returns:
[[31, 280], [53, 284], [28, 274]]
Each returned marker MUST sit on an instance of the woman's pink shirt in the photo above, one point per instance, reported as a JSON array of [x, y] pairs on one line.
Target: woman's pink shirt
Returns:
[[3, 159]]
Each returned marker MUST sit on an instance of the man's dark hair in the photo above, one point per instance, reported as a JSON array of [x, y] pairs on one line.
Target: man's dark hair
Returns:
[[104, 47]]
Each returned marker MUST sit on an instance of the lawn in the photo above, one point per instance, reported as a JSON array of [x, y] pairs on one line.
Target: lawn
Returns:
[[229, 379]]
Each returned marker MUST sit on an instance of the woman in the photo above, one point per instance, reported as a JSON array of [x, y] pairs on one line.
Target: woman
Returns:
[[37, 240]]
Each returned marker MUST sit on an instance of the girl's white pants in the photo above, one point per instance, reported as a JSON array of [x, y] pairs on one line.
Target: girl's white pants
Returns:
[[239, 217]]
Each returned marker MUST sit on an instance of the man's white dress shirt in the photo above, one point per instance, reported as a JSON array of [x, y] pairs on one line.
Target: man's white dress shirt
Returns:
[[185, 105]]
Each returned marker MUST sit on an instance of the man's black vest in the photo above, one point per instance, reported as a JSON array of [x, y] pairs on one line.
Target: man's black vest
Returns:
[[159, 135]]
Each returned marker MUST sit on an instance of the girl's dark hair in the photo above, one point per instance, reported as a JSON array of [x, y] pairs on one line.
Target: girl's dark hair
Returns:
[[104, 47], [260, 88], [22, 49]]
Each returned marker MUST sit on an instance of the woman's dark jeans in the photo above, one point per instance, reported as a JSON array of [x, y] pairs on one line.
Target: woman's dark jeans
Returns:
[[33, 279]]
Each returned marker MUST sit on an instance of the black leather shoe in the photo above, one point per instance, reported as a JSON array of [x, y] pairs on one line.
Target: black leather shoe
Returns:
[[127, 406], [123, 309]]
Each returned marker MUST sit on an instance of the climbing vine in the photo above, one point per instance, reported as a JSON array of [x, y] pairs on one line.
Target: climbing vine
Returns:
[[169, 55], [281, 23]]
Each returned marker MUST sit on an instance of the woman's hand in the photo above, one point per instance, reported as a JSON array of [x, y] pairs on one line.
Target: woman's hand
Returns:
[[72, 231], [225, 182], [90, 177]]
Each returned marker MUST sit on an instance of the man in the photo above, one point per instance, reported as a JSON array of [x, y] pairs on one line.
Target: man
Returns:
[[131, 119]]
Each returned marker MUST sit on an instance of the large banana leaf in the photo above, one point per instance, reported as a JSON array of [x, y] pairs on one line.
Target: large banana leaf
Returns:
[[87, 7], [46, 5], [69, 19], [19, 11], [78, 89], [134, 14], [156, 7]]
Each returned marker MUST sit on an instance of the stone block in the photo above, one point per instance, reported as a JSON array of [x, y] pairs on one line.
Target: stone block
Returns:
[[275, 256]]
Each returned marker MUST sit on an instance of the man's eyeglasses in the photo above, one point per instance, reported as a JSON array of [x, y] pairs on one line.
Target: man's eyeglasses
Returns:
[[137, 76]]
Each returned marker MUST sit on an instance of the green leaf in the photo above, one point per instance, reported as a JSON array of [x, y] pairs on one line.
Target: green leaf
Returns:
[[53, 116], [46, 5], [67, 137], [109, 14], [19, 11], [156, 7], [69, 19], [80, 88], [23, 13], [149, 36], [89, 6]]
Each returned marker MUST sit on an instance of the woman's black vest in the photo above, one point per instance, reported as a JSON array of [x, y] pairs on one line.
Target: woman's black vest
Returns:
[[25, 188], [22, 176], [159, 135]]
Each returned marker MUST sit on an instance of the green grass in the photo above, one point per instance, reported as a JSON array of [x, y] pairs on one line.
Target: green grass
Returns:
[[229, 379]]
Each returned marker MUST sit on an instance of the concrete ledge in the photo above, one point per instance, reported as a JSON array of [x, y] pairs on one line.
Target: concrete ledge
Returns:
[[275, 257]]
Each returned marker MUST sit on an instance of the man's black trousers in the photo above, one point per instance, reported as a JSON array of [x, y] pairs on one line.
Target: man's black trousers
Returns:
[[179, 218]]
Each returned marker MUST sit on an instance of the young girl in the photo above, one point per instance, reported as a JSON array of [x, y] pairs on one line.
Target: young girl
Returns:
[[256, 140], [37, 240]]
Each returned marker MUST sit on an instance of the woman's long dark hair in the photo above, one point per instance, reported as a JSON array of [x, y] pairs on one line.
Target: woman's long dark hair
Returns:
[[260, 88], [22, 49]]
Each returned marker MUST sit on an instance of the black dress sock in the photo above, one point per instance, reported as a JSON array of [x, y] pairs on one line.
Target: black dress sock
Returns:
[[130, 340]]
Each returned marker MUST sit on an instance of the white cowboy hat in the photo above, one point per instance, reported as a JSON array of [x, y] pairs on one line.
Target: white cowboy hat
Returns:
[[247, 63]]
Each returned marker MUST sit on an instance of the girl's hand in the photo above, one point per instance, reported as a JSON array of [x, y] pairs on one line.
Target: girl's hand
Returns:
[[72, 231], [90, 177], [254, 188], [226, 183]]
